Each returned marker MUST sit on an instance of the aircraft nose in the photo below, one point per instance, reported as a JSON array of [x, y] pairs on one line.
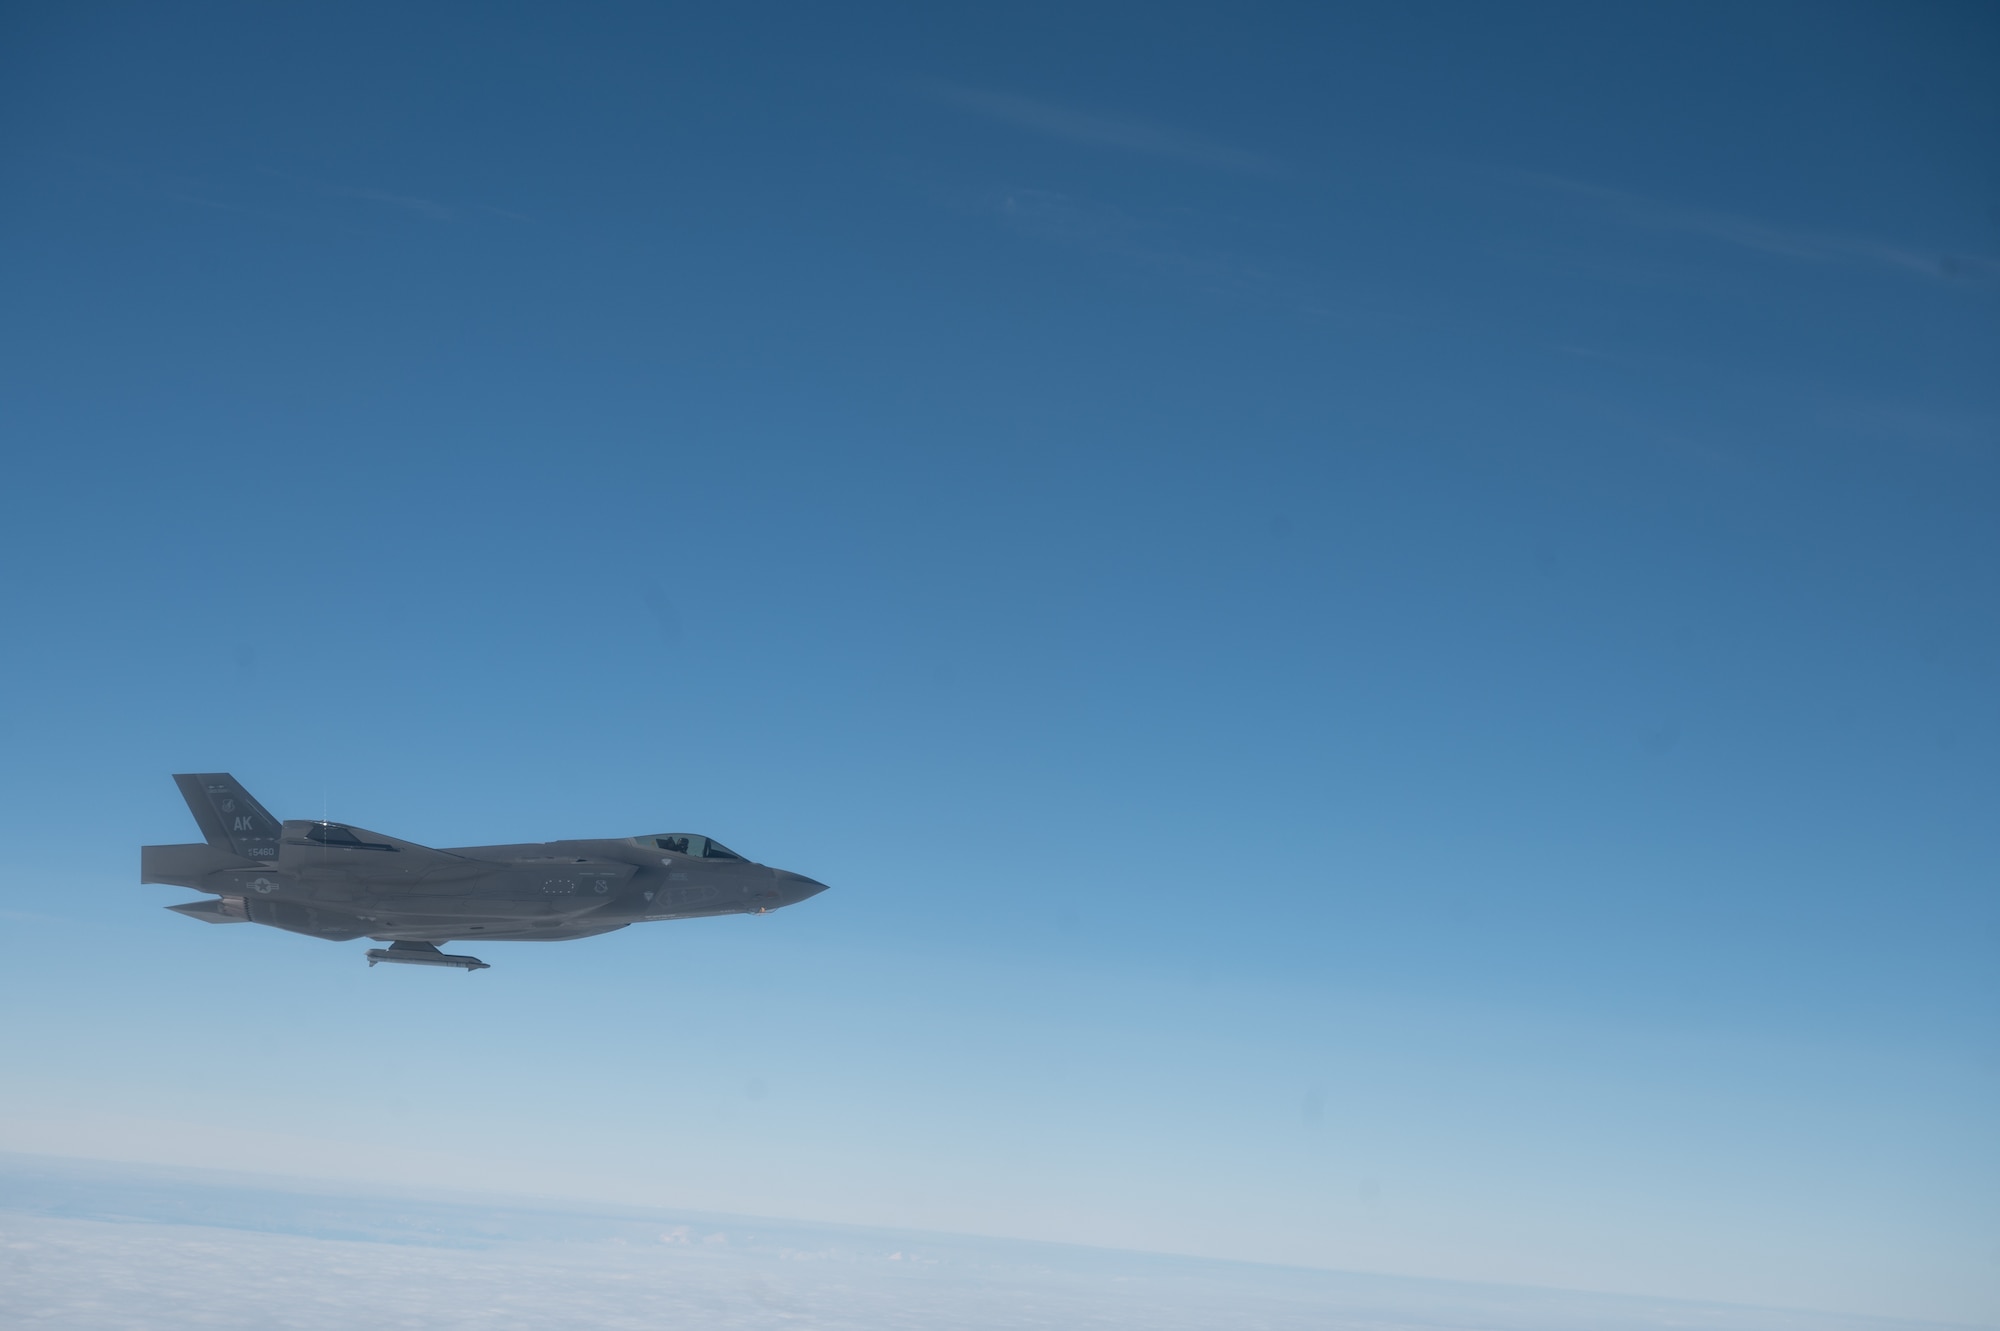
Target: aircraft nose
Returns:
[[798, 887]]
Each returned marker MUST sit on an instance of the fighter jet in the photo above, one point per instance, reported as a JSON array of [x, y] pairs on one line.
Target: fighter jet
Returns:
[[339, 883]]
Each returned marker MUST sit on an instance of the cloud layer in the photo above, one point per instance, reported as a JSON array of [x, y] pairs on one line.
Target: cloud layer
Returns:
[[264, 1257]]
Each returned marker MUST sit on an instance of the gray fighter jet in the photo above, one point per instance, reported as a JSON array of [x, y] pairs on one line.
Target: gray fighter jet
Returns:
[[340, 883]]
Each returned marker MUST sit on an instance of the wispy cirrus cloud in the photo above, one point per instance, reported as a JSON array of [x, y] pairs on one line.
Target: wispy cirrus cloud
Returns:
[[409, 203], [1799, 244], [1115, 132], [412, 204], [1147, 241], [260, 190]]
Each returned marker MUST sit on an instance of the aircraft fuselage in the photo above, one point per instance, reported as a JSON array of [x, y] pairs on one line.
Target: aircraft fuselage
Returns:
[[339, 882]]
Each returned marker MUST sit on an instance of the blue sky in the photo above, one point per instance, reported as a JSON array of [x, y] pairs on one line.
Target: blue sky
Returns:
[[1381, 619]]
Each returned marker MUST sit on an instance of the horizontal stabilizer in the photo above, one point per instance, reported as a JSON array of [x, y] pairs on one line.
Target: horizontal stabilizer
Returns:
[[187, 866], [215, 910]]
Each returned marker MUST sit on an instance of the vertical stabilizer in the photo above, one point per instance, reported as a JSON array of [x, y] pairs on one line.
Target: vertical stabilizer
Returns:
[[228, 817]]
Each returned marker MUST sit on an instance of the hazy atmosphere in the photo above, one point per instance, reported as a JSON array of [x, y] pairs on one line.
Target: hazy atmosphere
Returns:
[[1381, 621]]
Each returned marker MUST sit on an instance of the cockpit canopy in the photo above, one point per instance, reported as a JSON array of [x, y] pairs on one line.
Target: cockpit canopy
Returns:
[[686, 843]]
